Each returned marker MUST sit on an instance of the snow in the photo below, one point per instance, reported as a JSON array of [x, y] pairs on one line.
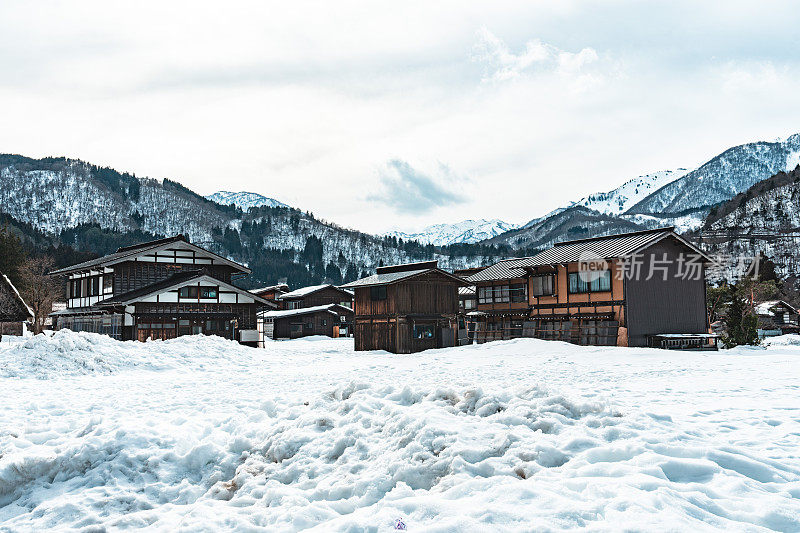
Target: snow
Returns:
[[199, 433], [244, 200], [466, 231]]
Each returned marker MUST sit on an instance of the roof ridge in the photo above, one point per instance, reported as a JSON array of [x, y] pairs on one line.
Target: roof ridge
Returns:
[[614, 236]]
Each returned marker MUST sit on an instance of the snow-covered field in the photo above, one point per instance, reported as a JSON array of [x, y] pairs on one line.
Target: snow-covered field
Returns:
[[202, 434]]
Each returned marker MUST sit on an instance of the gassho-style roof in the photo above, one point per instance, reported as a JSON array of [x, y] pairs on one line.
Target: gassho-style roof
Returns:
[[306, 311], [606, 247], [305, 291], [764, 308], [396, 273], [175, 280], [129, 252], [278, 287], [22, 311]]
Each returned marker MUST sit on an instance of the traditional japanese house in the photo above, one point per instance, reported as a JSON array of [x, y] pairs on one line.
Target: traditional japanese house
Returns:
[[271, 293], [612, 290], [160, 289], [331, 320], [14, 312], [776, 317], [406, 308], [316, 295]]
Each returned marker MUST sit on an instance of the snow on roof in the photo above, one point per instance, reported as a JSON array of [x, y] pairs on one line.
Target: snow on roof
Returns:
[[278, 287], [305, 291], [16, 293], [303, 311], [765, 308]]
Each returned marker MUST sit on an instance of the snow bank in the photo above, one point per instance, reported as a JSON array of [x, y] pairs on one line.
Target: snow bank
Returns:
[[782, 340], [66, 353], [509, 436]]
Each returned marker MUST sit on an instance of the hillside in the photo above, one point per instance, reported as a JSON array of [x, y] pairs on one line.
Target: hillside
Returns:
[[722, 177], [243, 200], [94, 209], [765, 218], [467, 231]]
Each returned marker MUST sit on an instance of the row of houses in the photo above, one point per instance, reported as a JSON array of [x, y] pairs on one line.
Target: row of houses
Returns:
[[634, 289]]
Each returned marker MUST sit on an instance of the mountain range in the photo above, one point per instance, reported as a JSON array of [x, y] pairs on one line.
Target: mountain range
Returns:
[[95, 209], [243, 200], [467, 231]]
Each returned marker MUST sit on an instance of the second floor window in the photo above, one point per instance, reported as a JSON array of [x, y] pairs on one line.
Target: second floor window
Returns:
[[495, 294], [518, 292], [544, 285], [192, 293], [579, 284]]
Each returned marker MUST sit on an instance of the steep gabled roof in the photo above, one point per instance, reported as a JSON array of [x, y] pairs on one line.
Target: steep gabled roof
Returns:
[[394, 277], [176, 280], [305, 291], [129, 252], [288, 313], [606, 247], [764, 308], [20, 310]]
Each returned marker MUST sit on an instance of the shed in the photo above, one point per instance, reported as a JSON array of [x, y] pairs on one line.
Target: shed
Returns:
[[406, 308]]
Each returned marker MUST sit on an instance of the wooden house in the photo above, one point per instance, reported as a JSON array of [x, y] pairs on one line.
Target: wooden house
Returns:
[[160, 290], [271, 293], [776, 317], [330, 320], [316, 295], [14, 312], [406, 308], [612, 290]]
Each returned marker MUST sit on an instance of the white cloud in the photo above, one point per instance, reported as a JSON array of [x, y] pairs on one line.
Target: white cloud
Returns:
[[538, 102]]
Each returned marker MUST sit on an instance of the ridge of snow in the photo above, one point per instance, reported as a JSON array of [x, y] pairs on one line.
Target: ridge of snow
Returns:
[[466, 232], [243, 199]]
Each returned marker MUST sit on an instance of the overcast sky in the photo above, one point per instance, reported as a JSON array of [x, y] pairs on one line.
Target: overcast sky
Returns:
[[398, 115]]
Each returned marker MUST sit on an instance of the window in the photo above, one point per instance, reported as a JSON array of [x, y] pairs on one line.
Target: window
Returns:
[[324, 323], [497, 294], [579, 285], [296, 304], [484, 295], [424, 331], [309, 325], [519, 292], [377, 293], [469, 304], [108, 284], [602, 283], [208, 292], [211, 325], [544, 285], [93, 284], [342, 318], [187, 292]]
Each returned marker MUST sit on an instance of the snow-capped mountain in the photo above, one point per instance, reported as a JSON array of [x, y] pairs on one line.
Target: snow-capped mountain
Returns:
[[723, 177], [75, 203], [678, 198], [464, 232], [244, 200], [619, 200]]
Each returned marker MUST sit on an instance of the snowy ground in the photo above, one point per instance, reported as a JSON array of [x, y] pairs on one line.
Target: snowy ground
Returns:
[[202, 434]]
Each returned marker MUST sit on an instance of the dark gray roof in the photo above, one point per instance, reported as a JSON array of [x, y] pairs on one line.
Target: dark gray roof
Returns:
[[607, 247], [506, 269], [132, 251], [393, 277]]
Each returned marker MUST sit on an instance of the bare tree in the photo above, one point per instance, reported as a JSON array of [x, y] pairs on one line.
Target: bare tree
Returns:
[[38, 289]]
